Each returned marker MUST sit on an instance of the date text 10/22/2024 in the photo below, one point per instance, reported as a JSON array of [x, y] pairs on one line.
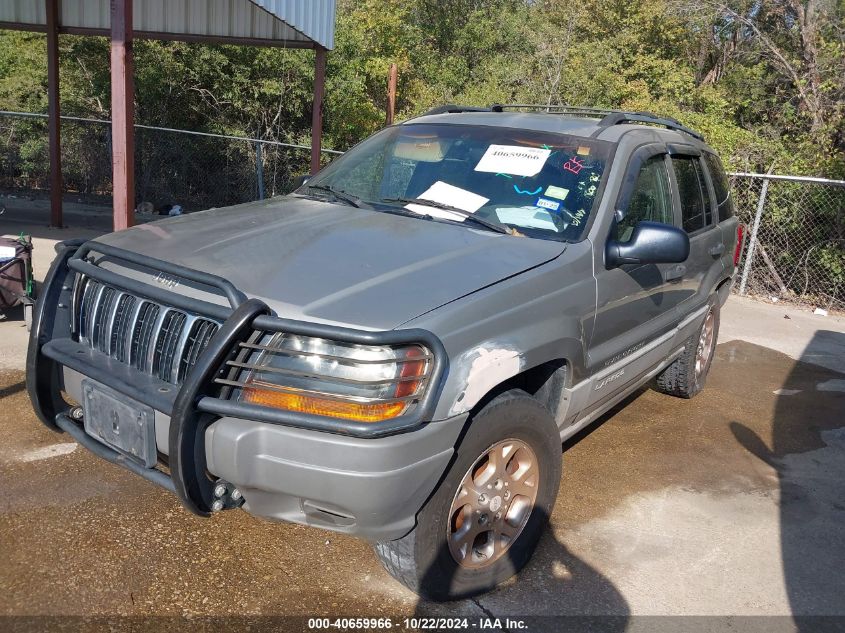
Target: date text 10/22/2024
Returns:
[[417, 624]]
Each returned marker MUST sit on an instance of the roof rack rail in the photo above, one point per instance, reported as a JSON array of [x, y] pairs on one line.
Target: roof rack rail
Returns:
[[454, 109], [608, 116], [555, 108], [617, 118]]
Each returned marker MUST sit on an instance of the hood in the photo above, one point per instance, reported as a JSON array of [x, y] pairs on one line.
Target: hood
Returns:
[[320, 261]]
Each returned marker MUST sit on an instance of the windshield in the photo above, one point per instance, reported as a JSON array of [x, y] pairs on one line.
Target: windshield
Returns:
[[537, 184]]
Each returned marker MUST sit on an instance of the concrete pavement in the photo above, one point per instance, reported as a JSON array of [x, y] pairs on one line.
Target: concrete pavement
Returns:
[[796, 332], [729, 504]]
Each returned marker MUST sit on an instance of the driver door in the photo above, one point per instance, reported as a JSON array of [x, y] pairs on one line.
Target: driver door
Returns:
[[635, 307]]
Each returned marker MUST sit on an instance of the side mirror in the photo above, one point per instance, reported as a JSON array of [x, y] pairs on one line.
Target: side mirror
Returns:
[[300, 180], [650, 243]]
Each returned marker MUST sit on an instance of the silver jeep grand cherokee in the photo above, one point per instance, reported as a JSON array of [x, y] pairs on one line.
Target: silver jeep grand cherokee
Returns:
[[398, 348]]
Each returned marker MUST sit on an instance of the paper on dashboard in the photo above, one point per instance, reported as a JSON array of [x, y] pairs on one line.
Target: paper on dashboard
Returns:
[[526, 217], [445, 193]]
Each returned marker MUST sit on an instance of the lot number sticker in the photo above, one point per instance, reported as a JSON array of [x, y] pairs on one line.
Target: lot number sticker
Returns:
[[513, 159]]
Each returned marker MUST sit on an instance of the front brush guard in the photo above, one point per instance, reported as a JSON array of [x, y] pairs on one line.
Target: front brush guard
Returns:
[[194, 407], [52, 319]]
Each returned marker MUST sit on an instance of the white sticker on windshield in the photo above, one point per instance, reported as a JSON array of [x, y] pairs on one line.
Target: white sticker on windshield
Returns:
[[557, 192], [513, 159], [445, 193]]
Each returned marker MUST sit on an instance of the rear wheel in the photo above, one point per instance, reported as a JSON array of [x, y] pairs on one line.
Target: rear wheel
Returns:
[[686, 376], [482, 524]]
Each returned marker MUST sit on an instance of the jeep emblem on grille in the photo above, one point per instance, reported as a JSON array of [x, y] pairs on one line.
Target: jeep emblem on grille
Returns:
[[166, 280]]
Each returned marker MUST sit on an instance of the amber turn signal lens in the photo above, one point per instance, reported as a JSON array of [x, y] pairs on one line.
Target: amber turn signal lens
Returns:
[[316, 405], [409, 370]]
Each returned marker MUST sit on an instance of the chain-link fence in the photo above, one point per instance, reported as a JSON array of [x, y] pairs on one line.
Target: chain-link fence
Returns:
[[193, 169], [795, 249]]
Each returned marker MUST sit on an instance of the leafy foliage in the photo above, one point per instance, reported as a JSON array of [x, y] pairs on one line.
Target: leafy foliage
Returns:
[[763, 79]]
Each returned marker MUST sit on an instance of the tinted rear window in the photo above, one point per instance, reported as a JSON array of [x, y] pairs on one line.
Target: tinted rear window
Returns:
[[721, 186]]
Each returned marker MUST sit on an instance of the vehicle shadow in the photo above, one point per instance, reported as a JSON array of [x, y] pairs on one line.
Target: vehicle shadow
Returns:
[[38, 227], [807, 452], [607, 416], [555, 591], [10, 315], [13, 389]]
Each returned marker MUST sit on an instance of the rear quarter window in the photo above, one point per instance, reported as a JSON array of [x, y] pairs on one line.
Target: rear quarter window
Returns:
[[721, 186]]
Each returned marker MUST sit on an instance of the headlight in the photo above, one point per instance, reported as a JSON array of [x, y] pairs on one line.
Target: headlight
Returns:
[[334, 379]]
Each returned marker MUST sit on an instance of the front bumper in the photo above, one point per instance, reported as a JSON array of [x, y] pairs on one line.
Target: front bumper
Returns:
[[365, 479], [369, 487]]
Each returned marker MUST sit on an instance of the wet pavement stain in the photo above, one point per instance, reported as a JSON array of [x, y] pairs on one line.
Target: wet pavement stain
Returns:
[[653, 441], [81, 536]]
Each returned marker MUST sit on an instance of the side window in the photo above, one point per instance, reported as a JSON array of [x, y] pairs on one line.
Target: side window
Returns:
[[721, 186], [650, 200], [695, 213]]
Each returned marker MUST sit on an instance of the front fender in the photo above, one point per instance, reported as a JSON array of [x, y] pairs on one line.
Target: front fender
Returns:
[[483, 367]]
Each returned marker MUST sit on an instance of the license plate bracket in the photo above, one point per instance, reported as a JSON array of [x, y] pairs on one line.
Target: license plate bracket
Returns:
[[120, 422]]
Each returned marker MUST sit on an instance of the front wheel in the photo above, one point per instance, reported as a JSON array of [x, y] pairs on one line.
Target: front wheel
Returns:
[[482, 524]]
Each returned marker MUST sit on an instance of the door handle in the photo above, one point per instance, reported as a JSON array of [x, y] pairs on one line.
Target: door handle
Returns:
[[676, 273], [717, 250]]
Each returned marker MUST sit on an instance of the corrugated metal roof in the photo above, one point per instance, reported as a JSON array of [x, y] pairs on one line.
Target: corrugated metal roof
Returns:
[[294, 21], [23, 12], [314, 19]]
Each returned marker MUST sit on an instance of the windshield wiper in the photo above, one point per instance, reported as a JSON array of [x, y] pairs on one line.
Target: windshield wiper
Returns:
[[498, 228], [348, 198]]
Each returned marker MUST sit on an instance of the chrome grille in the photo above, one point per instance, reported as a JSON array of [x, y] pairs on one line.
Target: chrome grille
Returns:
[[153, 338]]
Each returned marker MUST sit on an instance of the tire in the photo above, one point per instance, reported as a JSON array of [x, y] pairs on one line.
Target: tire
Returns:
[[686, 376], [424, 561]]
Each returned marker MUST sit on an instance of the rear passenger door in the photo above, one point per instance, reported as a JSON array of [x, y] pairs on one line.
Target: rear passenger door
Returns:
[[728, 223], [694, 201]]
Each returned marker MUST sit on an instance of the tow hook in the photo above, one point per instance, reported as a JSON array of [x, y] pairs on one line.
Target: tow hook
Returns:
[[226, 496]]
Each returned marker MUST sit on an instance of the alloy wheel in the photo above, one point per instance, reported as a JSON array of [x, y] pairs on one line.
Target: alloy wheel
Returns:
[[493, 503], [706, 342]]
